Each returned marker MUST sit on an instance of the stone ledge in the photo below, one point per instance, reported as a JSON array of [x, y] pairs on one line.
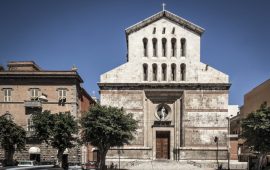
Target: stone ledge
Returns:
[[132, 148]]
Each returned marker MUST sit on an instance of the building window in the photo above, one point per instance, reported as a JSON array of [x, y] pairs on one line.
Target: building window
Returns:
[[154, 30], [62, 96], [173, 72], [173, 30], [164, 44], [30, 124], [145, 72], [145, 41], [154, 69], [164, 72], [173, 45], [34, 94], [183, 47], [164, 30], [7, 95], [62, 93], [154, 41], [183, 72]]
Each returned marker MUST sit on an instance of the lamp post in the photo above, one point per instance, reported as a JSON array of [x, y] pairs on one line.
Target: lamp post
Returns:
[[8, 115], [119, 152]]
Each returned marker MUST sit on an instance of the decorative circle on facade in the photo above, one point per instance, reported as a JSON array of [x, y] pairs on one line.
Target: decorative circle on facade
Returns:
[[163, 111]]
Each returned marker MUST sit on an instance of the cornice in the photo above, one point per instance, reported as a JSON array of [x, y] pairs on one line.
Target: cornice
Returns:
[[160, 86]]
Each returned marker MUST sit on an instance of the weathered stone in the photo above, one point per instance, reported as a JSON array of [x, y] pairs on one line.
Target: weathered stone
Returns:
[[180, 108]]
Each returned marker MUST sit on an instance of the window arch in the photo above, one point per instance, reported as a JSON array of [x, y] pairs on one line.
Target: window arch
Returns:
[[145, 44], [145, 72], [154, 42], [173, 72], [164, 72], [173, 46], [154, 71], [164, 46], [183, 72], [183, 47]]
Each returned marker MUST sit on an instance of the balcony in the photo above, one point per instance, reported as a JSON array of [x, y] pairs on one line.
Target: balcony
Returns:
[[32, 104], [32, 107]]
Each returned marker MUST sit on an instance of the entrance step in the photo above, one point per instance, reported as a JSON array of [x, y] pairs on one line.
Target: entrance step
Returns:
[[177, 165]]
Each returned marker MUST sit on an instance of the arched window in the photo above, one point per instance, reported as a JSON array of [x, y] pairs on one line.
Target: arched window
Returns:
[[173, 72], [173, 45], [183, 47], [164, 72], [183, 72], [164, 45], [154, 41], [154, 69], [145, 72], [145, 41]]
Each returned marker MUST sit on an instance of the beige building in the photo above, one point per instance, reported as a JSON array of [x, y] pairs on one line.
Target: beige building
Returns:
[[252, 102], [180, 102], [255, 97], [26, 89]]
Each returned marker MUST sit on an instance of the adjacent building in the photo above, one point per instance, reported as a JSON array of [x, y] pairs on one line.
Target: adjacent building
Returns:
[[26, 89], [252, 102], [180, 102]]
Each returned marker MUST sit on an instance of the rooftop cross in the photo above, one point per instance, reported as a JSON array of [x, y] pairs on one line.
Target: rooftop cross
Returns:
[[163, 6]]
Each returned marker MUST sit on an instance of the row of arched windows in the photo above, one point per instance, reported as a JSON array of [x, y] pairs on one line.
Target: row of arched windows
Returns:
[[173, 72], [164, 47]]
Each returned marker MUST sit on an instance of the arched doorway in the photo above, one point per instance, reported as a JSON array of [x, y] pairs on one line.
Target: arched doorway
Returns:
[[34, 154]]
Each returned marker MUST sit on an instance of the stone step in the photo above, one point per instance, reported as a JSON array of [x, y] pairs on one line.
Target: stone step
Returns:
[[176, 165]]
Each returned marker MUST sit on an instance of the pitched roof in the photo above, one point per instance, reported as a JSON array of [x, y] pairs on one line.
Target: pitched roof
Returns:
[[165, 14]]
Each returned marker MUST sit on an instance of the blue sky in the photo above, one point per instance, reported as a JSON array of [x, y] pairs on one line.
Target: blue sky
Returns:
[[90, 34]]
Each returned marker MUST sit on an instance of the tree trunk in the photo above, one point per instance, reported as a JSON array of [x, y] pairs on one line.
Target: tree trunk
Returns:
[[102, 156], [9, 153], [59, 157], [262, 161]]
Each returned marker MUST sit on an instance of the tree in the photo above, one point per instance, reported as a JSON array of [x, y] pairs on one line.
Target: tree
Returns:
[[12, 137], [256, 130], [59, 130], [105, 127]]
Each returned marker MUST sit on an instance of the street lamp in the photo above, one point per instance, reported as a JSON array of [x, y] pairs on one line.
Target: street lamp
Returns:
[[228, 140], [8, 116]]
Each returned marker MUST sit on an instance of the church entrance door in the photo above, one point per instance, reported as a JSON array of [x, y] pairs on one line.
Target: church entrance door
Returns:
[[162, 145]]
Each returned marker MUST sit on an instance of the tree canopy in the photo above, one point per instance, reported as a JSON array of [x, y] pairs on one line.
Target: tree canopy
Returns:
[[60, 130], [106, 127], [256, 129], [12, 137]]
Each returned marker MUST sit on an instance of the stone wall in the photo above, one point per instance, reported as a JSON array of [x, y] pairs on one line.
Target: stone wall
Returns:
[[132, 102]]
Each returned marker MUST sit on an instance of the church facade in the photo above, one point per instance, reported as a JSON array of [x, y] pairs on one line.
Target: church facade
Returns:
[[180, 102]]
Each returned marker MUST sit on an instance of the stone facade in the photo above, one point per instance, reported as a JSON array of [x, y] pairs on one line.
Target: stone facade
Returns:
[[26, 89], [180, 102]]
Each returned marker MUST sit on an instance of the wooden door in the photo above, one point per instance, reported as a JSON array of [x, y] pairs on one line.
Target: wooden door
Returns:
[[163, 145]]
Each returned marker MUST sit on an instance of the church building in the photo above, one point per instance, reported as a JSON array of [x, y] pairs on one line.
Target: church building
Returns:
[[180, 102]]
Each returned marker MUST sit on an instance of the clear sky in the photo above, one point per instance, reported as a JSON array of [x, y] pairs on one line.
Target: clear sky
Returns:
[[90, 34]]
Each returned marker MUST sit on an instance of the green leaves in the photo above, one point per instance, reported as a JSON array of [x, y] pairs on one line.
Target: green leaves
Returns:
[[105, 127], [256, 129], [11, 134], [59, 130]]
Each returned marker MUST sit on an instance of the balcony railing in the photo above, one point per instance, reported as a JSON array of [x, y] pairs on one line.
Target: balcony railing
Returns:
[[32, 104]]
